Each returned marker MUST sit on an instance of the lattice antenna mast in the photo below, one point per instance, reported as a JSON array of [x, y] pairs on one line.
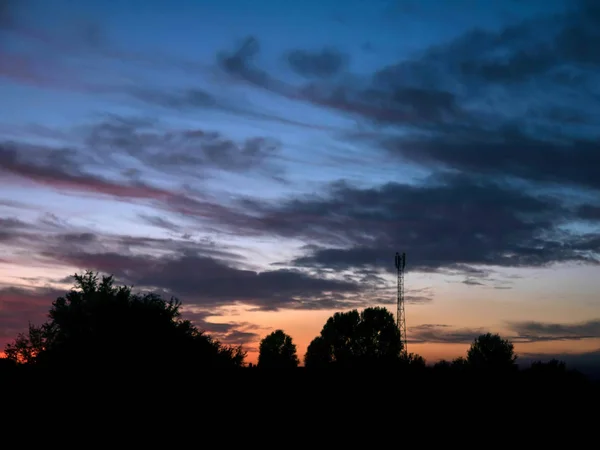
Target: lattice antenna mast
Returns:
[[400, 313]]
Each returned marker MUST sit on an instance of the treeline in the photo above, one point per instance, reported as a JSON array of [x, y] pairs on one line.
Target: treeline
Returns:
[[100, 326]]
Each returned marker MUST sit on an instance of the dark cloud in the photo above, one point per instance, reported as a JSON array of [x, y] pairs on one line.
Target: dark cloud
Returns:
[[160, 222], [57, 168], [373, 100], [416, 299], [18, 306], [205, 281], [533, 123], [540, 331], [589, 212], [204, 276], [199, 272], [11, 223], [179, 151], [8, 13], [240, 64], [455, 223], [62, 170], [42, 243], [193, 99], [471, 282], [443, 334], [181, 99], [506, 153], [568, 43], [231, 333], [11, 231], [196, 153], [538, 120], [321, 64], [521, 332]]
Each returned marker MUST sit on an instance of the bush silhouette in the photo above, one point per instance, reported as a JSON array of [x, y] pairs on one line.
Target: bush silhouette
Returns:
[[350, 339], [98, 324], [277, 350]]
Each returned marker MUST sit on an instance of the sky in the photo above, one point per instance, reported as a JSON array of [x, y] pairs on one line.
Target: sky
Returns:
[[263, 161]]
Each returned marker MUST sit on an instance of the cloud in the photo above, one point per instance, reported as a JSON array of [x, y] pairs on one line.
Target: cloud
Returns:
[[177, 99], [205, 281], [366, 99], [230, 333], [506, 152], [540, 331], [517, 112], [566, 42], [200, 272], [521, 332], [70, 170], [58, 168], [61, 170], [41, 241], [321, 64], [446, 222], [179, 151], [519, 102], [160, 222], [442, 334], [7, 14], [589, 212], [204, 276], [18, 306]]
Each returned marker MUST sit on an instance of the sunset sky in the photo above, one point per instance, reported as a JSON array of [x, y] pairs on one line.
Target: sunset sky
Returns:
[[264, 160]]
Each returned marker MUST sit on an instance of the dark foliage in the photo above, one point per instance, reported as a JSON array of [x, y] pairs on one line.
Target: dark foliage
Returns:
[[492, 353], [352, 339], [277, 350], [115, 332], [97, 324]]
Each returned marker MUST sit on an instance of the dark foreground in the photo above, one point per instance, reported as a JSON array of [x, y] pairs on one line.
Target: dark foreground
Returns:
[[301, 408], [301, 385]]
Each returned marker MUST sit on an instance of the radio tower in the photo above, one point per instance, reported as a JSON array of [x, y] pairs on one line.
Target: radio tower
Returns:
[[401, 314]]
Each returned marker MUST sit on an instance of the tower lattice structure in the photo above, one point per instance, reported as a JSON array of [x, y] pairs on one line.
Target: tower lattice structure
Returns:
[[400, 262]]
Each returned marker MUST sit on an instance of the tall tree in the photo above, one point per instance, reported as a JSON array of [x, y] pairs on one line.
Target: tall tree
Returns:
[[277, 350], [491, 352], [97, 323], [350, 339]]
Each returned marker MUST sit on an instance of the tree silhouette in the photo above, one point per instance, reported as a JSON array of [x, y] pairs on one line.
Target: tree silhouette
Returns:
[[491, 352], [443, 365], [551, 369], [554, 365], [277, 350], [413, 360], [459, 363], [97, 323], [350, 339], [27, 346], [318, 354]]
